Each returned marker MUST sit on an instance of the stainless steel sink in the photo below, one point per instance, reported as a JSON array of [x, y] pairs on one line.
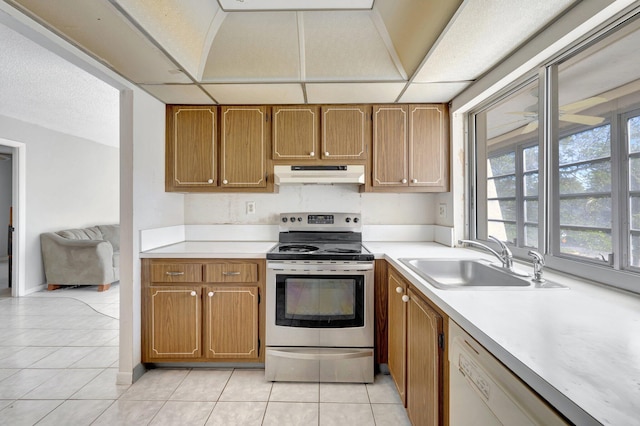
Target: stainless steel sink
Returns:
[[447, 274]]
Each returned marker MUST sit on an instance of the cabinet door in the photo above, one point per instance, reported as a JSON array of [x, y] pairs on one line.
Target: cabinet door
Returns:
[[173, 319], [397, 332], [295, 132], [191, 147], [244, 147], [390, 145], [424, 362], [231, 322], [429, 147], [345, 132]]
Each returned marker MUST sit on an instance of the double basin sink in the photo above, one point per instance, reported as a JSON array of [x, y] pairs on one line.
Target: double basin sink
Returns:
[[470, 274]]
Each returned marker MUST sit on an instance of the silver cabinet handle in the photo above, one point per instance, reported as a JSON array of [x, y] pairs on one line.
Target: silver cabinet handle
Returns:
[[283, 353], [403, 181], [231, 273], [174, 274], [399, 289], [193, 293], [405, 298], [210, 294]]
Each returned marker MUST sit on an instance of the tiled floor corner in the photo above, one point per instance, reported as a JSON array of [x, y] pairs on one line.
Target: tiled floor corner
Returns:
[[58, 366]]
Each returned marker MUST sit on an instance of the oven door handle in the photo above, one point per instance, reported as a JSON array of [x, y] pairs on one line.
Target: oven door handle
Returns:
[[297, 354]]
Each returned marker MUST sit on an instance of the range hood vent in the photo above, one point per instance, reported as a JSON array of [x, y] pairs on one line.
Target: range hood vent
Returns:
[[319, 174]]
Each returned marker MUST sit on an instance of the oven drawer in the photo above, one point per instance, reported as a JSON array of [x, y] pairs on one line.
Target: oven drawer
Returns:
[[231, 272], [176, 272]]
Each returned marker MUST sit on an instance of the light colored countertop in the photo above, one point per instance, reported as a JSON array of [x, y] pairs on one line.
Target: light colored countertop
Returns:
[[579, 347], [212, 249]]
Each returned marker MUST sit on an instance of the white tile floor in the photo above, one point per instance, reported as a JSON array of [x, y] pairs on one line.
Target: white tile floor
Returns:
[[58, 364]]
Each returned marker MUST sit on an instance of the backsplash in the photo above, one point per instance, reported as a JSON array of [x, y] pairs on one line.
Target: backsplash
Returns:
[[376, 208]]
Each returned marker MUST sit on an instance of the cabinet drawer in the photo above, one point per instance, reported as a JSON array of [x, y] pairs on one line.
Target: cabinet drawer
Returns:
[[229, 272], [176, 272]]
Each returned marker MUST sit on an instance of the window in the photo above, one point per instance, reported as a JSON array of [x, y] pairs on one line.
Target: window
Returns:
[[562, 175]]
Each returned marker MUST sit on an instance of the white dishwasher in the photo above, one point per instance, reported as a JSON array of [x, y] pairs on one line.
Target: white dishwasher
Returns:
[[482, 391]]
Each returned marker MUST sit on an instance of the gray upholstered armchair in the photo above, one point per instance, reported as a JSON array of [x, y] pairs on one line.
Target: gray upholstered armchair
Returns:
[[88, 256]]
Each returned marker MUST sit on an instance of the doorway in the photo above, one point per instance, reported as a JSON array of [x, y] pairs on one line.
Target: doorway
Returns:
[[6, 211]]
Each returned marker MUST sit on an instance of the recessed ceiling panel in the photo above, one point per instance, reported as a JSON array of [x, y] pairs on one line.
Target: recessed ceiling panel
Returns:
[[238, 5], [483, 34], [259, 46], [340, 93], [252, 94], [185, 94], [433, 92], [101, 29], [180, 27], [345, 46]]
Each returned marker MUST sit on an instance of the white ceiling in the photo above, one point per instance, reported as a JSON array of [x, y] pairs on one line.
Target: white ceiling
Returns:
[[395, 51]]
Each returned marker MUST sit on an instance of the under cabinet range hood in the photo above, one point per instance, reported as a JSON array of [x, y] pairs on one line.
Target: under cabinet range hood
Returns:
[[319, 174]]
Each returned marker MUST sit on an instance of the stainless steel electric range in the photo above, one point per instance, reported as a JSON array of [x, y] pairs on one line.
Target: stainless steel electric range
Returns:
[[319, 301]]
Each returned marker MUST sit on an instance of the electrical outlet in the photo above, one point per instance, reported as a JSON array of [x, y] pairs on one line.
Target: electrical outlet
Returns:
[[442, 210], [251, 207]]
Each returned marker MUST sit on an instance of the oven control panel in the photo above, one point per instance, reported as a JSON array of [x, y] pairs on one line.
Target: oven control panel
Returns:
[[337, 222]]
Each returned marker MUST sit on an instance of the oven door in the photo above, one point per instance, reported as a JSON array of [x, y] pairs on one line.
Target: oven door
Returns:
[[324, 304]]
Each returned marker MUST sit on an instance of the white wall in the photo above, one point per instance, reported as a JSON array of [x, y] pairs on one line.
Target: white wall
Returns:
[[6, 171], [70, 183], [376, 208]]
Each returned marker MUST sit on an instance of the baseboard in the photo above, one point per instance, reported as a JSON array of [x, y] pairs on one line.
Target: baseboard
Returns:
[[124, 378], [35, 289]]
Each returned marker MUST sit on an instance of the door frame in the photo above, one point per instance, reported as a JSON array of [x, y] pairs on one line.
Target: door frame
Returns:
[[18, 197]]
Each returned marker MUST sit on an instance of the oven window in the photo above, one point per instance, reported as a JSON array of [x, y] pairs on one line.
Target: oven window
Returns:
[[320, 301]]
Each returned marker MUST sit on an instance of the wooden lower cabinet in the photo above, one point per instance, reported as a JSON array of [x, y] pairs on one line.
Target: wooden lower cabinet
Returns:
[[231, 322], [424, 362], [220, 318], [397, 342], [417, 352], [173, 323]]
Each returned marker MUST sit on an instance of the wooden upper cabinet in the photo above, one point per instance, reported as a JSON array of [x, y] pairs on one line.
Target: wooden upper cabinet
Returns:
[[390, 148], [295, 132], [244, 146], [346, 132], [429, 146], [191, 147], [411, 148]]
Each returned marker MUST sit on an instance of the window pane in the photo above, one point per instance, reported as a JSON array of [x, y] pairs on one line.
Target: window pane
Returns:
[[530, 158], [531, 211], [531, 185], [634, 174], [531, 236], [589, 177], [588, 145], [502, 231], [502, 210], [635, 250], [585, 243], [635, 213], [502, 165], [591, 212], [633, 126], [501, 187]]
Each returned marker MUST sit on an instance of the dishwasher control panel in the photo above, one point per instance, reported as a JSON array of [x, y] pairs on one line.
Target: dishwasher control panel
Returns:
[[475, 375]]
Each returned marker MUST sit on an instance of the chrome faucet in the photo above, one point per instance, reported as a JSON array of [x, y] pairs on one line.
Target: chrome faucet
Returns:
[[538, 264], [505, 256]]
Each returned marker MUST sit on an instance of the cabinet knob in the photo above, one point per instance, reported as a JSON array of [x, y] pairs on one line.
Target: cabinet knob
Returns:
[[326, 154], [398, 289], [403, 181], [225, 181], [210, 181], [210, 294], [405, 298], [193, 293], [312, 154], [414, 180]]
